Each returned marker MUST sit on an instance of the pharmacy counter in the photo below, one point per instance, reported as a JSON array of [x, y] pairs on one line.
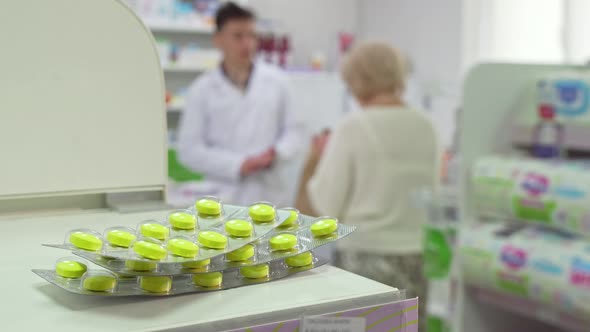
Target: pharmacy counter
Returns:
[[31, 304]]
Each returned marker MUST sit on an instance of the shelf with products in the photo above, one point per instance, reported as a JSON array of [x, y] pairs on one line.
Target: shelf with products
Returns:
[[175, 102], [182, 30], [176, 16], [188, 57], [523, 249]]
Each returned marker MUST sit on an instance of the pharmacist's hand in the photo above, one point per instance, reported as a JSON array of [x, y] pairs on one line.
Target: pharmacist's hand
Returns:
[[267, 158], [255, 163]]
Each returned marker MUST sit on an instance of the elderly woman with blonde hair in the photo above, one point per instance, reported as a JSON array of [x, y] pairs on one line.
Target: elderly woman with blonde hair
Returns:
[[365, 171]]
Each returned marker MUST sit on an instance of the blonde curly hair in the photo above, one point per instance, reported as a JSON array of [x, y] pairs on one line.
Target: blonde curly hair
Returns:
[[374, 68]]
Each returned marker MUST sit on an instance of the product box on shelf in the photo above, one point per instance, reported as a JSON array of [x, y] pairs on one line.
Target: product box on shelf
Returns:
[[552, 193], [556, 119], [529, 262]]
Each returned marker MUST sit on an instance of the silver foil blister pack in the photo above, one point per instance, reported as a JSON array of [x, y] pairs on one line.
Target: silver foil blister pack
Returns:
[[162, 242], [108, 284], [258, 252]]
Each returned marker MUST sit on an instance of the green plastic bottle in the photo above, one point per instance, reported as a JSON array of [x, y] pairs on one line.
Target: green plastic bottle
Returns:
[[438, 253]]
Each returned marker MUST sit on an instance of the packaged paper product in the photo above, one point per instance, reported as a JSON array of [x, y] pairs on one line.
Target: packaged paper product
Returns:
[[550, 193], [546, 266]]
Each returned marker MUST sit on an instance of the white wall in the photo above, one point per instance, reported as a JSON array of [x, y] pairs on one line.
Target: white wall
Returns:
[[312, 24], [577, 30], [426, 30], [505, 31], [429, 32]]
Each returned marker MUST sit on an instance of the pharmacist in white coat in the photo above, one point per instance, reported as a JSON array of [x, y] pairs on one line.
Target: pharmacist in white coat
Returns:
[[238, 128]]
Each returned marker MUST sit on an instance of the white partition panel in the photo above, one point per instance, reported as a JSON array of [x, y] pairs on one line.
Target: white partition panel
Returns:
[[81, 100]]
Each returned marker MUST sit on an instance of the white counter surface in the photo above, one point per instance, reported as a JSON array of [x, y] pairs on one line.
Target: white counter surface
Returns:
[[28, 303]]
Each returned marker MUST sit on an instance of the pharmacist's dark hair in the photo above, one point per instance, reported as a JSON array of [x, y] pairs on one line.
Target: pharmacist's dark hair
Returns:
[[229, 11]]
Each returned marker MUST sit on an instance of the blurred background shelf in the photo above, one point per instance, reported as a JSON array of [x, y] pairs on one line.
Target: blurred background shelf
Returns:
[[185, 69], [175, 108], [178, 27]]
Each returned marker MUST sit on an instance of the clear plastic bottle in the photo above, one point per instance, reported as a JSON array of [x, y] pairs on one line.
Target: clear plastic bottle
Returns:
[[547, 135]]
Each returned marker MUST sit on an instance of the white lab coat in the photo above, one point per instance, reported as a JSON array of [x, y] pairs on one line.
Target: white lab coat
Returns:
[[222, 126]]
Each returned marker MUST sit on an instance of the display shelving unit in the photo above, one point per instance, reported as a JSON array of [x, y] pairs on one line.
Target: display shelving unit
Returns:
[[492, 94], [177, 75]]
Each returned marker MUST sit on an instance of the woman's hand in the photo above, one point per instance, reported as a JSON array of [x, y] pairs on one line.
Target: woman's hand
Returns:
[[318, 143]]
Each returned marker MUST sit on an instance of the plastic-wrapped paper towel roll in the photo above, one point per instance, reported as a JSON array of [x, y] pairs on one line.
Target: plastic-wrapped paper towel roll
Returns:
[[541, 265], [556, 195]]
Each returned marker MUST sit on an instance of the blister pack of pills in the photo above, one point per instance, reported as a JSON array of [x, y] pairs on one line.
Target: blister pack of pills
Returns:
[[207, 247], [73, 275], [208, 230], [278, 244]]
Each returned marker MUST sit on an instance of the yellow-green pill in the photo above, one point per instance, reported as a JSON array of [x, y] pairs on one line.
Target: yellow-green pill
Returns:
[[85, 241], [262, 212], [149, 250], [100, 283], [208, 207], [300, 260], [70, 269], [155, 284], [183, 248], [241, 254], [255, 272], [197, 264], [292, 219], [182, 220], [120, 238], [212, 279], [324, 227], [140, 266], [238, 228], [212, 240], [157, 231], [283, 242]]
